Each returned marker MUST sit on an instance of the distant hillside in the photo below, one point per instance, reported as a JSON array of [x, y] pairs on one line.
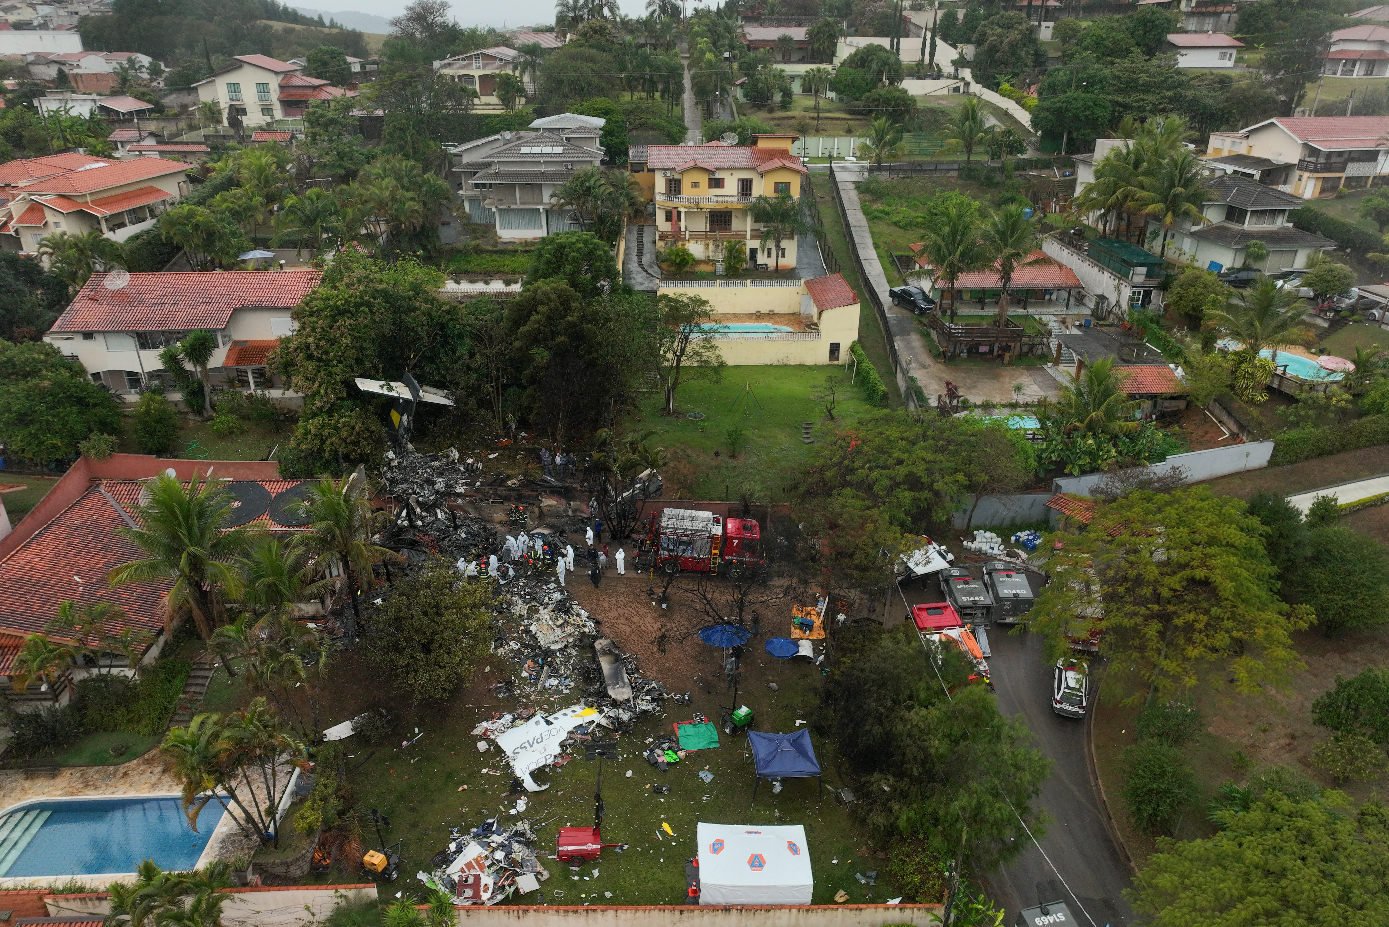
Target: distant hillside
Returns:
[[298, 41], [351, 19]]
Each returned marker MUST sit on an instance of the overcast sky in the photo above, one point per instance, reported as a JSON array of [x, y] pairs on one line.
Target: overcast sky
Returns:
[[509, 14]]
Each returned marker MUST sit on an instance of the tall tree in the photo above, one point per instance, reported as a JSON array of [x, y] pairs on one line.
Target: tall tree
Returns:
[[687, 352], [1184, 584], [1262, 316], [884, 140], [182, 533], [817, 81], [342, 525], [1009, 238], [952, 245], [75, 256], [1094, 403], [30, 297], [580, 259], [1176, 194], [968, 127], [781, 218], [603, 199], [48, 405]]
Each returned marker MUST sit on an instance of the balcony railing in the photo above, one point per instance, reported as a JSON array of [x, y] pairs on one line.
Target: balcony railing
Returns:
[[686, 235], [712, 200]]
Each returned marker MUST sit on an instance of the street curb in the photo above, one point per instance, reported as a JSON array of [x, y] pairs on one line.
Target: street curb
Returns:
[[1092, 769]]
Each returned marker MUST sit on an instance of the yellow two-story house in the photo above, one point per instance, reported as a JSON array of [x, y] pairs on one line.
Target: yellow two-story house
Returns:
[[702, 194]]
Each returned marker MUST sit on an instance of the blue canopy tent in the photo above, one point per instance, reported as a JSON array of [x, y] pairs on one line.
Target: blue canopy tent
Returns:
[[783, 756]]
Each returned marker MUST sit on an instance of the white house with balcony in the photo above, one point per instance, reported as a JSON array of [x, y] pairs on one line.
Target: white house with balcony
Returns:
[[1358, 51], [478, 71], [508, 180], [258, 89], [1317, 155], [117, 325], [77, 193]]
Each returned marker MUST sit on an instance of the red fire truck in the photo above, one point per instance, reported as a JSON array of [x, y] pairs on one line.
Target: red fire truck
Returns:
[[699, 542]]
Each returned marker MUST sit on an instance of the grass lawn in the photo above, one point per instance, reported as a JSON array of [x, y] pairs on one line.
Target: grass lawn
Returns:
[[770, 415], [198, 440], [893, 207], [1356, 335], [1331, 99], [1307, 475], [95, 749], [19, 502], [835, 118], [1344, 208]]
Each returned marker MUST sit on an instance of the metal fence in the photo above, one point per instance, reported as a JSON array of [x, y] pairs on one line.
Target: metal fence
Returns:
[[817, 226]]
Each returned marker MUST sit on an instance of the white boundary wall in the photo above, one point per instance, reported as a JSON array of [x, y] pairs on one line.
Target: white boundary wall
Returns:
[[1199, 466]]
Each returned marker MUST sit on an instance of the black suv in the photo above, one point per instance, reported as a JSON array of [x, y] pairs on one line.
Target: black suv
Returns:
[[912, 297]]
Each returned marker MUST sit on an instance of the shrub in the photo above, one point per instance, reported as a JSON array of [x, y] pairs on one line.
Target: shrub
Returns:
[[1359, 705], [867, 377], [917, 869], [320, 810], [1298, 444], [1171, 723], [251, 407], [1158, 786], [735, 258], [1231, 796], [98, 447], [109, 702], [156, 424], [1294, 783], [735, 440], [227, 425], [42, 732], [1344, 577], [1346, 234], [1349, 756], [678, 259], [490, 263]]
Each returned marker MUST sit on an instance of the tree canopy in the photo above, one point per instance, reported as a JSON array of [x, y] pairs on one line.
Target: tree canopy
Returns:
[[48, 405]]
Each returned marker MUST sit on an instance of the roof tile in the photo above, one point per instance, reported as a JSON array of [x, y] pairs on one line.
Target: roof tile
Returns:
[[26, 170], [1082, 510], [181, 301], [718, 156], [265, 61], [267, 135], [111, 174], [1149, 380], [1046, 274], [249, 353], [831, 292], [124, 104]]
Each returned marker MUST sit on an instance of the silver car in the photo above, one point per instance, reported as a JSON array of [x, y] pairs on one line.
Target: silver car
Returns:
[[1070, 696]]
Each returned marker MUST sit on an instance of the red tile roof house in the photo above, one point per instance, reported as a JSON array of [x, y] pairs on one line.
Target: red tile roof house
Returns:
[[77, 193], [65, 548], [260, 89], [116, 327]]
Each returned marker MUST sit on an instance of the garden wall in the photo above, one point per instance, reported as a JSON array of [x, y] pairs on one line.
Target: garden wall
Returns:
[[288, 906], [742, 297], [1010, 509], [1199, 465], [846, 915]]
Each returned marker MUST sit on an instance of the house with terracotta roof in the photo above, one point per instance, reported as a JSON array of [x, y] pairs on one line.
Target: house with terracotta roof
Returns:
[[78, 193], [758, 38], [117, 324], [257, 89], [508, 180], [1358, 51], [1039, 278], [65, 549], [478, 71], [702, 194], [1322, 153], [82, 65], [1207, 50], [760, 322]]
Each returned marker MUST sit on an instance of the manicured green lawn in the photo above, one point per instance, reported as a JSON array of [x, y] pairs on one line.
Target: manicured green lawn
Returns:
[[198, 440], [1356, 335], [95, 749], [19, 502], [1344, 208], [769, 405]]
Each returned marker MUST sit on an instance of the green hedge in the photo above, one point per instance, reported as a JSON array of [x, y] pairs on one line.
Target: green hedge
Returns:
[[1153, 333], [110, 702], [867, 378], [1300, 444], [1346, 234], [506, 263]]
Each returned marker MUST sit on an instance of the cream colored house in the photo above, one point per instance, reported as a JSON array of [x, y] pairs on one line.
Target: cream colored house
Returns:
[[478, 71], [702, 194], [77, 194], [116, 328], [761, 322], [259, 89], [1320, 154]]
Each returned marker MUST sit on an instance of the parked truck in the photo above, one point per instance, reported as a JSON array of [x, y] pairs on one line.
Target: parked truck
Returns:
[[1012, 593], [968, 594], [695, 541]]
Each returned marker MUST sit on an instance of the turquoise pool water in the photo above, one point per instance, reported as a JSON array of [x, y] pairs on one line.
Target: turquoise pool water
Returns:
[[101, 835], [747, 328], [1297, 365]]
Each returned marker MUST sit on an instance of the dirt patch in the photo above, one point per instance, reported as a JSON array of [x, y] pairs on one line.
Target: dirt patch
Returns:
[[1199, 431], [1305, 476], [1373, 521]]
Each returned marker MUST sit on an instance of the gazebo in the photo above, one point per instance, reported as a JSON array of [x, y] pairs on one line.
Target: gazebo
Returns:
[[783, 756]]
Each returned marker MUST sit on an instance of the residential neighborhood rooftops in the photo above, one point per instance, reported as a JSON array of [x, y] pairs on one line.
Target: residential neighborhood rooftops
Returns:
[[1204, 40], [831, 292], [1248, 193], [104, 175], [1045, 274], [1149, 380], [1365, 32], [1247, 162], [173, 148], [569, 121], [269, 135], [181, 301], [1332, 132], [125, 104], [543, 39], [26, 170], [1237, 236], [1379, 13]]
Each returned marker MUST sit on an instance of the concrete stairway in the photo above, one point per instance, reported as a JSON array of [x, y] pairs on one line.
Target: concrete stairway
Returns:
[[193, 691]]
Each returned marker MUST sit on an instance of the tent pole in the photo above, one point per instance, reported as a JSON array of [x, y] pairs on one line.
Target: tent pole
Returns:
[[756, 781]]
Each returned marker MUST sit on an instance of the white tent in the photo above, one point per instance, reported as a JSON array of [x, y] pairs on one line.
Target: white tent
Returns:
[[742, 864]]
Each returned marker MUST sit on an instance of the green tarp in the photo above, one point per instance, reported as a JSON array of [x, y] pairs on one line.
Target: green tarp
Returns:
[[694, 736]]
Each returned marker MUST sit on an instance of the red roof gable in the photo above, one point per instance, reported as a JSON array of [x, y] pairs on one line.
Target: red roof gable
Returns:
[[270, 64], [1082, 510], [93, 81], [69, 559], [718, 156], [831, 292], [124, 104], [1046, 274], [127, 135], [249, 353], [1369, 129], [29, 169], [266, 135], [302, 80], [1149, 380], [33, 215], [181, 301], [110, 174], [9, 649]]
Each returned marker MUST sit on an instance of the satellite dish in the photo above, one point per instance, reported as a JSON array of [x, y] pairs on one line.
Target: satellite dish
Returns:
[[170, 472], [116, 279], [729, 138]]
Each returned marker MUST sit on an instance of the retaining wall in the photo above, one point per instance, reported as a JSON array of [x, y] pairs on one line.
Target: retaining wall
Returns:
[[1199, 465], [1008, 509], [263, 906]]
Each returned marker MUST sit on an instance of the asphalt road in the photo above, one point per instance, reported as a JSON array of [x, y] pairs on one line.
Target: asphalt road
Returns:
[[1076, 850]]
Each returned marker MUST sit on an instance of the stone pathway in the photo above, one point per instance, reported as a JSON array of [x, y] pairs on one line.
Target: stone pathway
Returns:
[[639, 268], [1344, 494], [694, 121]]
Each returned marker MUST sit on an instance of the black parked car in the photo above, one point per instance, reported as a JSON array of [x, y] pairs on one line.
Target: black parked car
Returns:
[[912, 297], [1239, 279]]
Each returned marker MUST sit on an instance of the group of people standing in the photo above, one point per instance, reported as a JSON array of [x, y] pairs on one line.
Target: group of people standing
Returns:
[[558, 466], [542, 553]]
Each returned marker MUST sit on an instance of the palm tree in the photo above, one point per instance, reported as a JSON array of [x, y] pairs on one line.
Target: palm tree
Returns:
[[781, 218], [342, 524], [40, 658], [884, 140], [157, 898], [602, 199], [183, 536], [953, 245], [1009, 239], [314, 215], [1262, 316], [817, 81], [88, 627], [968, 127], [74, 257], [197, 347], [277, 574], [1119, 179], [1094, 402], [527, 63], [1177, 192]]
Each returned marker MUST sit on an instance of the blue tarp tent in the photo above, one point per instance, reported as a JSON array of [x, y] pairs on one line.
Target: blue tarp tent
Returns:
[[783, 756]]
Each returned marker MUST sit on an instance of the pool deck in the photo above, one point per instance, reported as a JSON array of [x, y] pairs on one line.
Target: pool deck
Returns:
[[792, 320], [144, 777]]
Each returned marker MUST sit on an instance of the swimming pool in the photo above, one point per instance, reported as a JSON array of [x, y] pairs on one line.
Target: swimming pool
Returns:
[[1298, 366], [99, 836], [747, 328]]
